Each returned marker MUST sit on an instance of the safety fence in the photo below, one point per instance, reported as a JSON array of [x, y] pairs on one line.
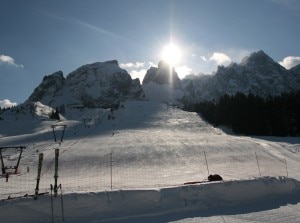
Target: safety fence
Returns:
[[129, 171]]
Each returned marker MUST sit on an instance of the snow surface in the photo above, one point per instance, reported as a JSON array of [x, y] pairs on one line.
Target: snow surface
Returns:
[[154, 149]]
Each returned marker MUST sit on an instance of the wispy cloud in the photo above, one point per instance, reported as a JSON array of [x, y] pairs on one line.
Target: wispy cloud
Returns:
[[81, 23], [290, 62], [137, 69], [132, 65], [140, 74], [95, 28], [7, 103], [220, 58], [203, 58], [7, 60]]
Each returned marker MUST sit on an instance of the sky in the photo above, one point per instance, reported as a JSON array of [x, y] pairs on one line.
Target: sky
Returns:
[[40, 37]]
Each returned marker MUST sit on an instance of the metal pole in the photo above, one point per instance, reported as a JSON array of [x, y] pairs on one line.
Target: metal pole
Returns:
[[62, 136], [41, 156], [54, 132], [51, 198], [62, 204], [287, 173], [111, 171], [56, 172], [2, 162], [257, 164], [206, 163], [17, 166]]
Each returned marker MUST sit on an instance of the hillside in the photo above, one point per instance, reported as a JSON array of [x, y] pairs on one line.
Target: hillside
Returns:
[[138, 156]]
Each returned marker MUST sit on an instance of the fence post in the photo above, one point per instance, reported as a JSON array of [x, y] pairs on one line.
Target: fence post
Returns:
[[111, 170], [206, 163], [287, 173], [257, 164]]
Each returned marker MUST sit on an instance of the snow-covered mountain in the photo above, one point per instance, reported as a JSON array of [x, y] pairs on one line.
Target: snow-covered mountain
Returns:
[[257, 74], [103, 84], [163, 74], [162, 83], [93, 85]]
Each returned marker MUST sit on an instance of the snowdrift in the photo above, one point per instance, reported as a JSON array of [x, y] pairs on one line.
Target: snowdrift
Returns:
[[128, 205]]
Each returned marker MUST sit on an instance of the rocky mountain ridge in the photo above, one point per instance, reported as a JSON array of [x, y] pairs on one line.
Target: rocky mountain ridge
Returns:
[[257, 74], [104, 84], [100, 84], [163, 74]]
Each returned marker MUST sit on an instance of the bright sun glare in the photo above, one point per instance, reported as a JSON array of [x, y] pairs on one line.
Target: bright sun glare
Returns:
[[171, 54]]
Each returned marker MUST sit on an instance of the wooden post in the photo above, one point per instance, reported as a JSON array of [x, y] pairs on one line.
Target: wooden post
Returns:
[[257, 164], [206, 163]]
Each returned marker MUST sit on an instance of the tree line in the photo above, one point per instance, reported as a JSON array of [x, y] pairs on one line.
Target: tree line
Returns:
[[254, 115]]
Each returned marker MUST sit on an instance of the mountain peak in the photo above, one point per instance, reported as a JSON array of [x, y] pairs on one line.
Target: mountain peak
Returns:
[[115, 62], [163, 74], [257, 58], [99, 84]]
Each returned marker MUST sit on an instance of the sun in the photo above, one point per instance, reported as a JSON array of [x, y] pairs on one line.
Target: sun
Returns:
[[171, 54]]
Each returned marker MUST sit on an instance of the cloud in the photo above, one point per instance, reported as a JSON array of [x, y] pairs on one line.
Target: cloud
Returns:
[[220, 58], [9, 61], [138, 74], [182, 71], [290, 62], [137, 69], [132, 65], [203, 58], [82, 23], [7, 103]]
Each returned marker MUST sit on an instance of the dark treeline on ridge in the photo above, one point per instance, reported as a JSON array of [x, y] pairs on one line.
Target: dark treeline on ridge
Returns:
[[254, 115]]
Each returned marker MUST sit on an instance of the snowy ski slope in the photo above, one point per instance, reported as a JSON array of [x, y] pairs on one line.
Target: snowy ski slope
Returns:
[[132, 168]]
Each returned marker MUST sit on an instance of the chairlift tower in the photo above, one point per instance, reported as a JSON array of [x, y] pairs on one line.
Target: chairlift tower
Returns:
[[4, 167], [54, 130]]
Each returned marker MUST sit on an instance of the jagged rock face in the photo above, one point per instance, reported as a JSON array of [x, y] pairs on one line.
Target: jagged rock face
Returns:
[[257, 74], [164, 74], [295, 70], [94, 85], [49, 87]]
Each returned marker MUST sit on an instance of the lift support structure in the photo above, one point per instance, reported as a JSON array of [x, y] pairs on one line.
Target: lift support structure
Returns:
[[4, 168]]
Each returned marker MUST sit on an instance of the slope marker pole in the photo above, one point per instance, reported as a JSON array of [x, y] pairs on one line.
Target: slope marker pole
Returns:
[[206, 163], [257, 164], [287, 173], [111, 171]]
